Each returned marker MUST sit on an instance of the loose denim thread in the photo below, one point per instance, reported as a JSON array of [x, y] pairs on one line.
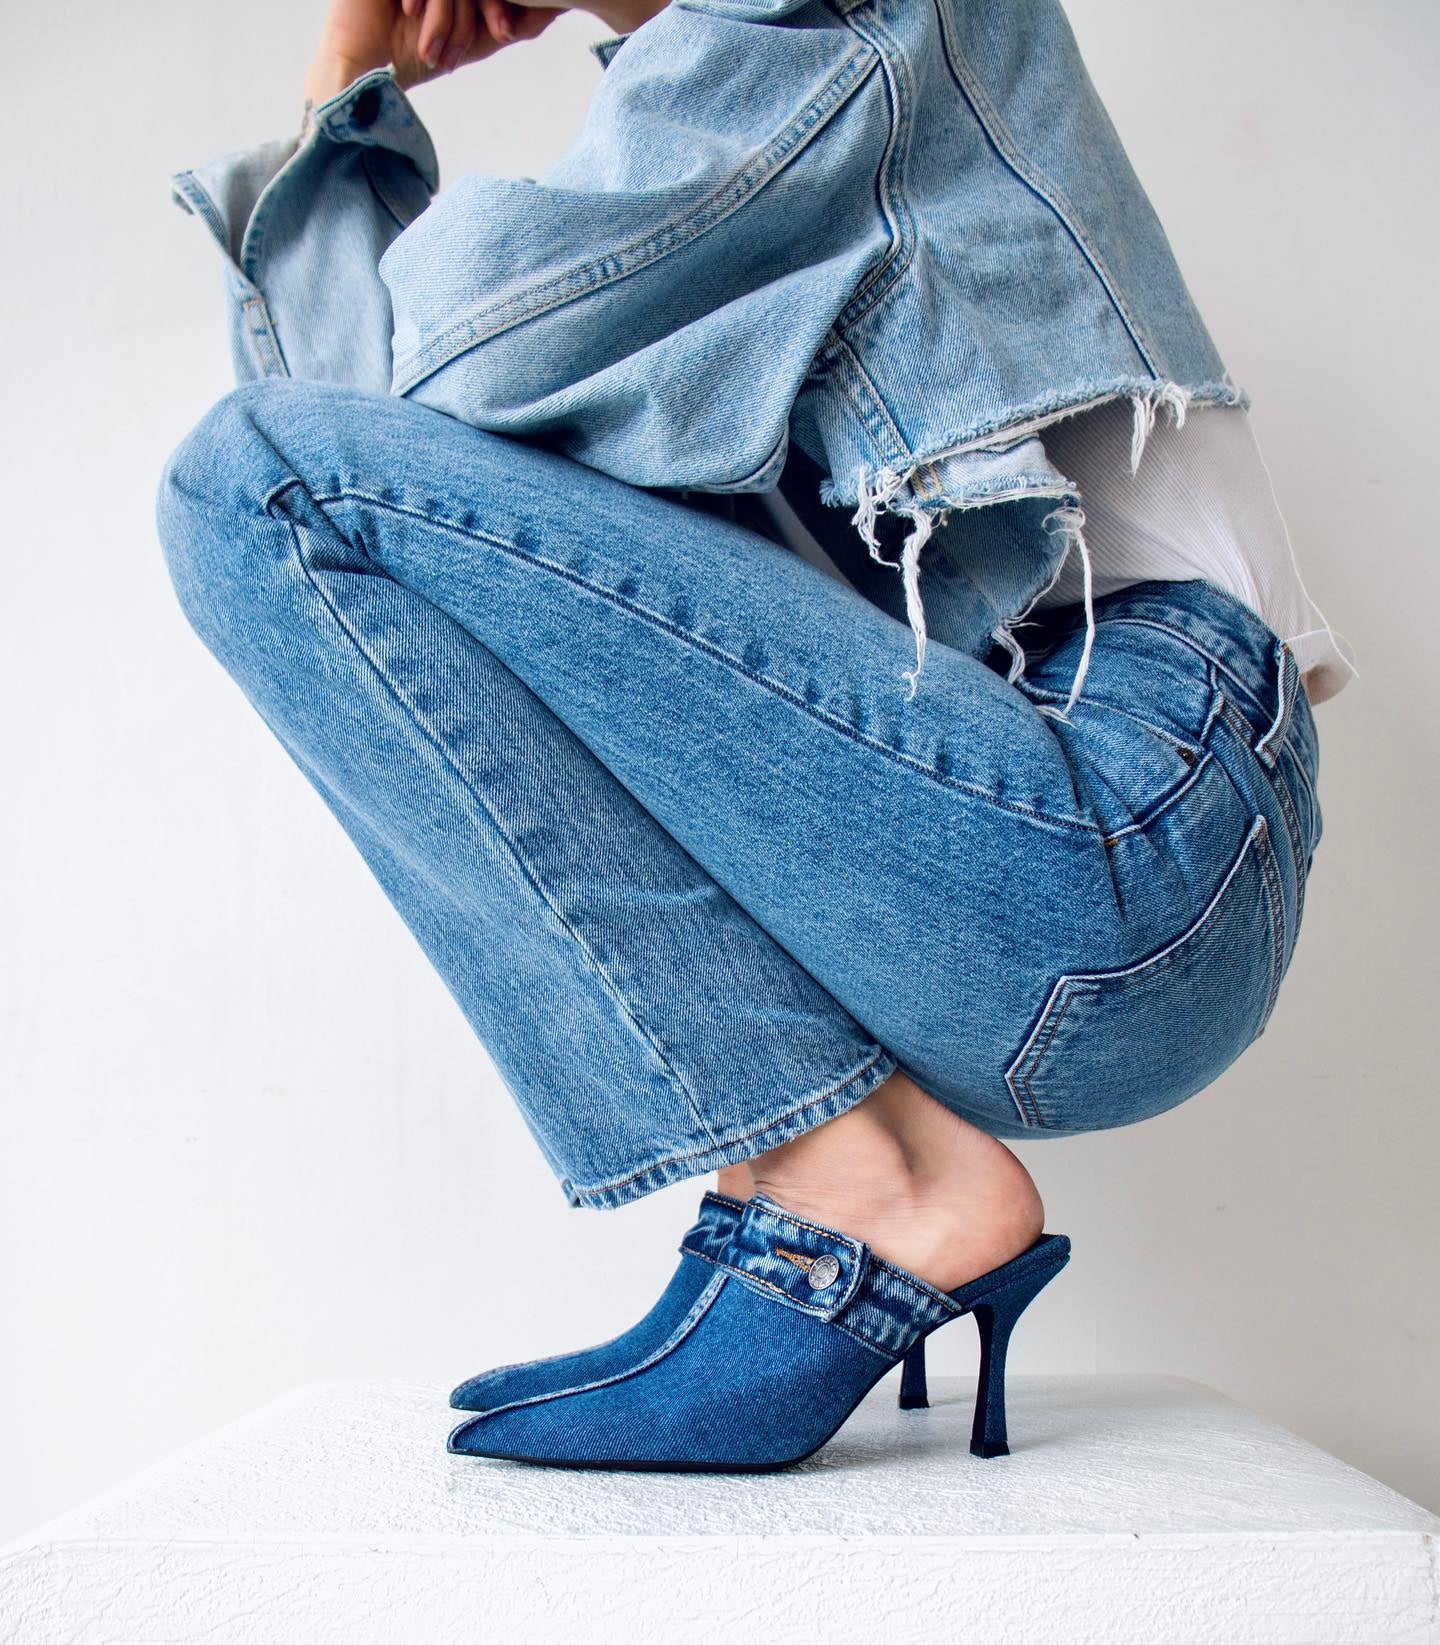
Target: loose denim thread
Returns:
[[879, 489]]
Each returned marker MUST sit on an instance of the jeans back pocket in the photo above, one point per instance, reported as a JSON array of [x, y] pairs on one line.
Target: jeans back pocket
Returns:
[[1127, 768], [1116, 1046]]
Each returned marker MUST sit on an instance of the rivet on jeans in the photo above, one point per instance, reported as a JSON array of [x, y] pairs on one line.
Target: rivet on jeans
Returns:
[[823, 1271]]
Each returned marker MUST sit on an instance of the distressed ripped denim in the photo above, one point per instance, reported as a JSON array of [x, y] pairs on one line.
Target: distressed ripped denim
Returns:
[[638, 779]]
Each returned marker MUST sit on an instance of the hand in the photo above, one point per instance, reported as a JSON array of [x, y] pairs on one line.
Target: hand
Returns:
[[422, 39]]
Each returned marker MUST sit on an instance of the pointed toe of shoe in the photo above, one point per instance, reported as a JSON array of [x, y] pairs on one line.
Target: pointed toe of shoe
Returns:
[[465, 1438], [530, 1379], [742, 1384], [507, 1436], [479, 1393]]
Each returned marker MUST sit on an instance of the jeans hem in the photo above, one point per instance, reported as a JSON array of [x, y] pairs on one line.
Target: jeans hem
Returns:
[[852, 1089]]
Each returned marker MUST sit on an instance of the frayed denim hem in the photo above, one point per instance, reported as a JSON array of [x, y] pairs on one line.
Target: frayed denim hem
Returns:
[[853, 1089]]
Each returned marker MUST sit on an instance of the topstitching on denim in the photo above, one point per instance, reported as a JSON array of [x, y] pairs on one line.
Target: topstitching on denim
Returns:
[[1281, 785], [437, 742], [698, 1309], [1216, 665], [658, 619], [877, 1304], [1184, 746], [1043, 187], [872, 130], [1307, 784], [852, 1089], [1281, 945], [1274, 780], [488, 319], [1265, 726], [1071, 985]]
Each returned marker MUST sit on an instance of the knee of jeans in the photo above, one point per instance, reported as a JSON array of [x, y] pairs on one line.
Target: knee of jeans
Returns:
[[211, 495]]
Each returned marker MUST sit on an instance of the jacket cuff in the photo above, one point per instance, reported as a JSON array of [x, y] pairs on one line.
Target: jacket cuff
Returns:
[[301, 223], [372, 111]]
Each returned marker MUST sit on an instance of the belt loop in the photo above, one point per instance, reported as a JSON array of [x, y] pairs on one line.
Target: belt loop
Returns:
[[1287, 674]]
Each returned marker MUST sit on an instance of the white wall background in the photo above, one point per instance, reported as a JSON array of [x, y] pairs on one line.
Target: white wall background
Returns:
[[247, 1139]]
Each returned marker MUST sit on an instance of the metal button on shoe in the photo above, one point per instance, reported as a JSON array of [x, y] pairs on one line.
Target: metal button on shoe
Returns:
[[823, 1271]]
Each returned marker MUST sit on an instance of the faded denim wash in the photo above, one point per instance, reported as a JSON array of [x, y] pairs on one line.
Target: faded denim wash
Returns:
[[639, 781], [474, 532], [892, 237]]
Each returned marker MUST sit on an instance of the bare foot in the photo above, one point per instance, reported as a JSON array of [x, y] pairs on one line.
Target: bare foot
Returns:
[[922, 1187]]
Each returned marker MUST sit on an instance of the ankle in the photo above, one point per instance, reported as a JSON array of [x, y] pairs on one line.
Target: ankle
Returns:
[[924, 1188], [735, 1181]]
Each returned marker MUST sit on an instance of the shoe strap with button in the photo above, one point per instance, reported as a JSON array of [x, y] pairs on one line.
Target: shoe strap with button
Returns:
[[826, 1274], [713, 1225]]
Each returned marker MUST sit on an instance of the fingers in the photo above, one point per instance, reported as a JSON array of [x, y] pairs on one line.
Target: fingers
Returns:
[[528, 21], [453, 32], [435, 30], [462, 36], [497, 17], [532, 19]]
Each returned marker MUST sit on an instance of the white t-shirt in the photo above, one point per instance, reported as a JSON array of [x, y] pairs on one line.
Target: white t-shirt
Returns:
[[1200, 504]]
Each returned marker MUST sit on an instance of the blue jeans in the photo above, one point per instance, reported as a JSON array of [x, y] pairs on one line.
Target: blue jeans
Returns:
[[646, 787]]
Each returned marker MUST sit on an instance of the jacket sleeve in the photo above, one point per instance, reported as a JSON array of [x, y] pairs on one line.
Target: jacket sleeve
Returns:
[[302, 224], [652, 305]]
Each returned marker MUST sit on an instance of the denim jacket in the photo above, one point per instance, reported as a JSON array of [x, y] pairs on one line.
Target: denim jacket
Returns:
[[862, 250]]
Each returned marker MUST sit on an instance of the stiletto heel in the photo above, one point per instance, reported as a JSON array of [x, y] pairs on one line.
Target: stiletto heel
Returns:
[[914, 1393], [995, 1316]]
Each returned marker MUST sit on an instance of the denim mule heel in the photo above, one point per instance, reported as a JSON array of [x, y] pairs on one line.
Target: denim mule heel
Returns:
[[527, 1379], [794, 1325]]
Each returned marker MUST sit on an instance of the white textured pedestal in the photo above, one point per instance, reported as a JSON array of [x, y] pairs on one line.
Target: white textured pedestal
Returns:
[[1133, 1508]]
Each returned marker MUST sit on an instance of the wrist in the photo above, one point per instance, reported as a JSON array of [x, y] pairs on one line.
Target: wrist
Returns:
[[328, 76]]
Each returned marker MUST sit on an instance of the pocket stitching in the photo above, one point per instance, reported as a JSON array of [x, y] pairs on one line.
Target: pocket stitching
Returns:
[[1275, 903], [1077, 984], [1178, 743], [1039, 1057], [1192, 754], [1292, 823], [1311, 796], [1275, 779]]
